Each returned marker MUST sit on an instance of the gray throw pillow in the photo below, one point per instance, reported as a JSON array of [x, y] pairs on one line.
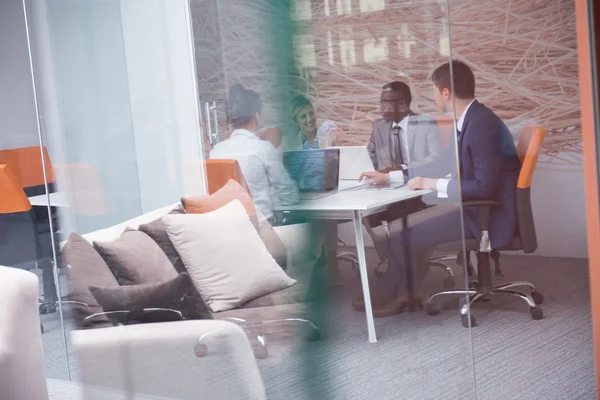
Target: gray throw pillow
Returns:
[[85, 268], [157, 231], [134, 258], [173, 294]]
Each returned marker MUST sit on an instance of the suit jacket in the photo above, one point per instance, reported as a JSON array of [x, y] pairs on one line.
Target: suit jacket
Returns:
[[489, 170], [423, 138]]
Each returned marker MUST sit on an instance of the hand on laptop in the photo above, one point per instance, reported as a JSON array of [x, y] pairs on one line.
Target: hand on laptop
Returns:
[[375, 177]]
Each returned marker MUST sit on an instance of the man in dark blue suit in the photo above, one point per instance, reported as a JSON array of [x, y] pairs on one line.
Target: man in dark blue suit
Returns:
[[488, 168]]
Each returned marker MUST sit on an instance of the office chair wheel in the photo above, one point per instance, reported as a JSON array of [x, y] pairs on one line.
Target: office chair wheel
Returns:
[[449, 282], [537, 297], [473, 285], [536, 313], [432, 310], [465, 320]]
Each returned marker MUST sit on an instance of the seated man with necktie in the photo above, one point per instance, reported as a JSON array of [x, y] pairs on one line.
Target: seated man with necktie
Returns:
[[402, 138], [399, 140], [489, 169]]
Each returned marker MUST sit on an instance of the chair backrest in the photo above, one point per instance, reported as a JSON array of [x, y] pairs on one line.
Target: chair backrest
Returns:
[[528, 149], [219, 172], [13, 198], [21, 355], [26, 164]]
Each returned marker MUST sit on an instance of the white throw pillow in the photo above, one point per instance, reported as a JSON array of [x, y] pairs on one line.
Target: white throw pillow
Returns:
[[225, 256]]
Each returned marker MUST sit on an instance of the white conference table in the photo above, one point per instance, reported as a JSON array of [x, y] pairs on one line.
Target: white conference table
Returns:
[[355, 204], [57, 199]]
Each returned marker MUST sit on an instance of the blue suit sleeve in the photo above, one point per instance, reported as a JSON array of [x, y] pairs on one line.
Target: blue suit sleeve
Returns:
[[487, 154]]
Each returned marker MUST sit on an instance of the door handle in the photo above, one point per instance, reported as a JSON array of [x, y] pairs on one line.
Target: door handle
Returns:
[[208, 124], [217, 137], [213, 135]]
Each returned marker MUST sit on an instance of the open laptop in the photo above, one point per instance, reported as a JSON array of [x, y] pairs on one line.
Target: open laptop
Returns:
[[316, 172], [354, 160]]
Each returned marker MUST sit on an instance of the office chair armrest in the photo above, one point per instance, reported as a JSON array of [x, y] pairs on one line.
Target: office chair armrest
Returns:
[[483, 211]]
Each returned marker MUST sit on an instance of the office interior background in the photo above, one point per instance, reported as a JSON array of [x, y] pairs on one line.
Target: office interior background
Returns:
[[125, 94]]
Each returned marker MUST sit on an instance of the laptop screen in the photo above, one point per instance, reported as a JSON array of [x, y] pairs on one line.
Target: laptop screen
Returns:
[[314, 170]]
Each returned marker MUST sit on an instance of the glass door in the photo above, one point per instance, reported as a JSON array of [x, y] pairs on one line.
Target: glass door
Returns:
[[119, 112]]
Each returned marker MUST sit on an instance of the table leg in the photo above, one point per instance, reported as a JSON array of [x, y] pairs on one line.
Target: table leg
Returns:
[[364, 279], [407, 254]]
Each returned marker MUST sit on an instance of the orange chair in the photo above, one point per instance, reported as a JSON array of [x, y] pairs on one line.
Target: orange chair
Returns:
[[26, 164], [528, 150], [22, 245], [219, 172]]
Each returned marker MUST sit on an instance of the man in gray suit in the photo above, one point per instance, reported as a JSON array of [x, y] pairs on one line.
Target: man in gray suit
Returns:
[[402, 139]]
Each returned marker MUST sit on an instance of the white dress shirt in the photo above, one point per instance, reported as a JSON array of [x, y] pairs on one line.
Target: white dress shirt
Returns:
[[441, 184], [262, 167]]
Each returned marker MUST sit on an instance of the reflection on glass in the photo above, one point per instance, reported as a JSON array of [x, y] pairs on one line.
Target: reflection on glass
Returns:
[[178, 281]]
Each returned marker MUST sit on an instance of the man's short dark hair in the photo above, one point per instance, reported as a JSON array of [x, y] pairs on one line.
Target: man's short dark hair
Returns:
[[464, 79], [242, 105], [401, 88]]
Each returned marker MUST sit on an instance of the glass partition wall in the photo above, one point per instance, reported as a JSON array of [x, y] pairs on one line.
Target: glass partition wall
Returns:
[[535, 87], [120, 124], [134, 96]]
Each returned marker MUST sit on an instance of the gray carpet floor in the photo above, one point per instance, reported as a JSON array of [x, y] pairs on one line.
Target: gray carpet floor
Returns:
[[506, 356]]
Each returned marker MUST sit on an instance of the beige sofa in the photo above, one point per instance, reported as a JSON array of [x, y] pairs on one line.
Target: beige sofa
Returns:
[[168, 361], [280, 315]]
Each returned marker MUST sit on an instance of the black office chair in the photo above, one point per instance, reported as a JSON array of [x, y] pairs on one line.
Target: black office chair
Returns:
[[530, 144]]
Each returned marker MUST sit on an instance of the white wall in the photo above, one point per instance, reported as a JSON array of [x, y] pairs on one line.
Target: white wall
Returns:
[[161, 82], [18, 126], [558, 199]]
